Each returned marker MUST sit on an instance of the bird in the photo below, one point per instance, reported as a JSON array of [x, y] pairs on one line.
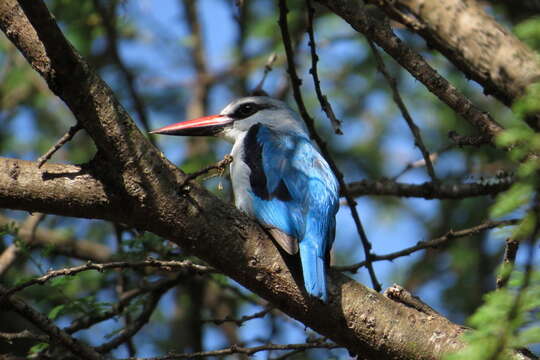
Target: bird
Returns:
[[279, 177]]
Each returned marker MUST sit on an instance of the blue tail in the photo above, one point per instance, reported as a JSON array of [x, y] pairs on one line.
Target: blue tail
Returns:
[[314, 270]]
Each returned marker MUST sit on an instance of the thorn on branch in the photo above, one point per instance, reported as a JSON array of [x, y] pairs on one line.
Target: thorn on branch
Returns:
[[63, 140]]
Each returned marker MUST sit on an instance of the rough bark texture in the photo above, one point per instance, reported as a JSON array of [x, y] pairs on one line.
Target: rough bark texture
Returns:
[[477, 44], [131, 182], [365, 322], [61, 189], [355, 13]]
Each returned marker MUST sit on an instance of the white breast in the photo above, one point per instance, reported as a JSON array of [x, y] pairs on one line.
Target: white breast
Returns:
[[240, 177]]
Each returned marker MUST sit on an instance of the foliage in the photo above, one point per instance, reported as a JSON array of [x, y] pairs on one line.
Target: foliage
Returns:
[[509, 317]]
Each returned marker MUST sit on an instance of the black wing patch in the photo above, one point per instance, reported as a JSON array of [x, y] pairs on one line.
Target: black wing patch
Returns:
[[253, 158]]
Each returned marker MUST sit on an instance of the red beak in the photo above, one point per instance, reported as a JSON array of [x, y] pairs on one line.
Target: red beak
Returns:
[[203, 126]]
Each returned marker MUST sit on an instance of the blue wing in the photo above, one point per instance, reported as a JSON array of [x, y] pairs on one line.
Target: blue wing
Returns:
[[295, 190]]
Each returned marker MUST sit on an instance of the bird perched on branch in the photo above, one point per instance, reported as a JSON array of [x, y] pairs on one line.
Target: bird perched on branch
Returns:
[[279, 177]]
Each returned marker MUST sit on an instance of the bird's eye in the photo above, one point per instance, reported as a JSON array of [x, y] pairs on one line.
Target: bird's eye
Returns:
[[245, 110]]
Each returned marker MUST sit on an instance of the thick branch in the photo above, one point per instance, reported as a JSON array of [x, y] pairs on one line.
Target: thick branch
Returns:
[[59, 189], [473, 41], [355, 14]]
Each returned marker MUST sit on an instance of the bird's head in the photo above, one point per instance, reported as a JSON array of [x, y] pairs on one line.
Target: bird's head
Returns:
[[238, 117]]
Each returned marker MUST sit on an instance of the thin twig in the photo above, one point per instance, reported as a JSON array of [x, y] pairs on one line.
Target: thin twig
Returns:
[[64, 139], [461, 140], [296, 82], [243, 319], [323, 100], [429, 190], [133, 328], [267, 68], [235, 349], [79, 349], [220, 166], [433, 243], [126, 298], [434, 156], [161, 264], [406, 115], [23, 335]]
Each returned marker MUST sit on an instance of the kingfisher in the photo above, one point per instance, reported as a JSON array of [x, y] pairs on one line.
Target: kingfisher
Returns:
[[279, 177]]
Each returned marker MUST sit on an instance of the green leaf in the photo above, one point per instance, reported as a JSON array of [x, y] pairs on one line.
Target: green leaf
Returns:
[[53, 314], [528, 103], [527, 336], [38, 348], [514, 135], [529, 32], [519, 194], [59, 281], [525, 227]]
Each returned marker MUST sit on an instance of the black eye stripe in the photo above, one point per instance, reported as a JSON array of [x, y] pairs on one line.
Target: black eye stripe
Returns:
[[247, 109]]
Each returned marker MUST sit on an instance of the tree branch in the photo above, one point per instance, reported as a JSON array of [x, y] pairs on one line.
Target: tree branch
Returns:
[[63, 140], [59, 189], [244, 350], [473, 41], [404, 112], [46, 325], [184, 266], [380, 33], [25, 334], [27, 231], [62, 242], [429, 190], [433, 243], [323, 100]]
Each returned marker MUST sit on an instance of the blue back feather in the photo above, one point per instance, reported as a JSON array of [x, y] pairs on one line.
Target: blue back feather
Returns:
[[301, 198]]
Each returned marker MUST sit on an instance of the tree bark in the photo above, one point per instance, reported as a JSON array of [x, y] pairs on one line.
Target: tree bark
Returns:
[[473, 41], [462, 31], [355, 13]]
